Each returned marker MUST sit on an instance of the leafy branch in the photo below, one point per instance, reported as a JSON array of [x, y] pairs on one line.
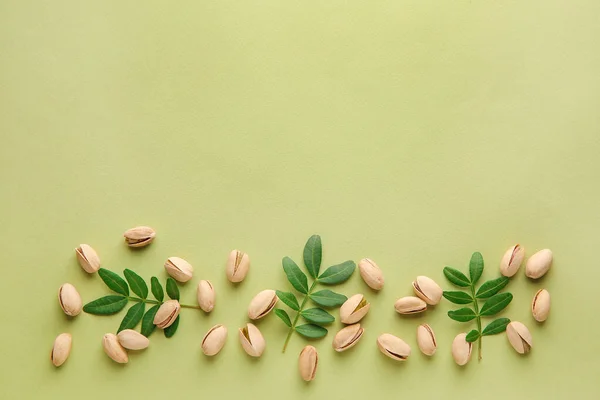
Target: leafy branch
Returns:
[[489, 290]]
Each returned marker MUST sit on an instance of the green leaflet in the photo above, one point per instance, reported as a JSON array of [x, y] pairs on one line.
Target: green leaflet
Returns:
[[114, 281], [133, 317], [476, 267], [313, 252], [148, 321], [496, 326], [170, 331], [136, 283], [283, 316], [295, 275], [458, 297], [317, 316], [157, 289], [311, 331], [106, 305], [338, 273], [327, 298], [456, 277], [172, 289], [472, 336], [289, 299], [496, 303], [491, 287], [462, 314]]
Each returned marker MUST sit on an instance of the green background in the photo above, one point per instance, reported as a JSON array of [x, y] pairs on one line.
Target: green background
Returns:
[[410, 132]]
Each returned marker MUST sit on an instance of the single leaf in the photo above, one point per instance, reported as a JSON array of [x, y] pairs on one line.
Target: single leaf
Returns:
[[106, 305], [456, 277], [313, 251], [283, 316], [476, 267], [295, 275], [496, 303], [492, 287], [462, 314], [327, 298], [338, 273], [496, 326], [148, 321], [317, 316], [311, 331], [172, 289], [136, 283], [458, 297], [133, 317], [114, 281], [170, 330], [472, 336], [157, 289], [289, 299]]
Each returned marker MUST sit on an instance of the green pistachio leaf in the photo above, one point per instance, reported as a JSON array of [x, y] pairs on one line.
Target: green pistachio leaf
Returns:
[[496, 326], [170, 331], [338, 273], [148, 321], [313, 252], [133, 317], [327, 298], [114, 281], [157, 289], [295, 275], [472, 336], [137, 284], [476, 267], [458, 297], [172, 290], [106, 305], [289, 299], [462, 314], [496, 303], [456, 277], [491, 287], [317, 316], [311, 331], [283, 316]]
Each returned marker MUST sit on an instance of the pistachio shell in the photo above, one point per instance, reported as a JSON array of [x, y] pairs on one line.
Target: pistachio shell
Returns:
[[461, 349], [519, 337], [214, 340], [238, 264], [206, 296], [262, 304], [371, 274], [347, 337], [140, 236], [167, 314], [308, 362], [252, 340], [538, 264], [410, 305], [354, 309], [426, 289], [69, 300], [426, 340], [132, 340], [393, 347], [512, 260], [540, 306], [113, 349], [179, 269], [61, 349], [88, 258]]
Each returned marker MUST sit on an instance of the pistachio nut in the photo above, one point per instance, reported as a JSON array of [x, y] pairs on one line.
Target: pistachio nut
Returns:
[[308, 362], [88, 258], [461, 349], [354, 309], [347, 337], [140, 236], [214, 340], [512, 260], [426, 340], [538, 264], [206, 296], [262, 304], [61, 349], [167, 314], [428, 290], [393, 347], [519, 337], [238, 264], [113, 348], [252, 340], [540, 306], [70, 300], [179, 269], [132, 340], [410, 305], [371, 274]]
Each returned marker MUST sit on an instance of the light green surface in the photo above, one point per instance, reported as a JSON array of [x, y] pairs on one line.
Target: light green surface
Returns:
[[411, 132]]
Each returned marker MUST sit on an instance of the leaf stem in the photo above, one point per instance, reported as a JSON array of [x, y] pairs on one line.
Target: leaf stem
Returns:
[[291, 330], [476, 306], [148, 301]]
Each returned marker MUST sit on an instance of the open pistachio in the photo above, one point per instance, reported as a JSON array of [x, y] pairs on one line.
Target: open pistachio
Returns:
[[308, 362], [252, 340], [70, 300], [132, 340], [214, 340], [410, 305], [179, 269], [461, 349], [538, 264], [167, 314], [519, 337], [371, 274], [347, 337], [512, 260], [393, 347], [262, 304], [238, 264], [428, 290], [354, 309], [540, 306], [140, 236], [61, 349], [206, 296], [113, 348], [426, 340], [88, 258]]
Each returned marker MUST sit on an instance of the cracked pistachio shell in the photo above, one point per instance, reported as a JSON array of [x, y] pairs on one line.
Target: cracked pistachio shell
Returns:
[[519, 337], [538, 264], [113, 348], [354, 309], [88, 258], [238, 264], [167, 314], [252, 340], [461, 349], [347, 337], [426, 289], [371, 274], [512, 260], [426, 340], [70, 300], [262, 304], [140, 236], [214, 340], [308, 362], [540, 306], [179, 269], [206, 296], [393, 347], [410, 305], [132, 340], [61, 349]]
